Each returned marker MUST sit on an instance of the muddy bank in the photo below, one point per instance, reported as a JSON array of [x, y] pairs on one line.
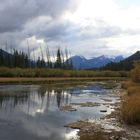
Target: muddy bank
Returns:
[[86, 104], [109, 127], [67, 108]]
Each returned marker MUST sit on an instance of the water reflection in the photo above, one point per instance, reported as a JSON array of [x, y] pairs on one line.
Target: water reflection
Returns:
[[32, 112], [41, 97]]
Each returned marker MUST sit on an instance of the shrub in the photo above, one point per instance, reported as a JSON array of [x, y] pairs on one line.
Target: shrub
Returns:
[[130, 110], [135, 73], [44, 72]]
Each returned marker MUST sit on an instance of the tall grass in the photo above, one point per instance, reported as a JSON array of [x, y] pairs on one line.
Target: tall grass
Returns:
[[44, 72], [135, 73], [130, 110]]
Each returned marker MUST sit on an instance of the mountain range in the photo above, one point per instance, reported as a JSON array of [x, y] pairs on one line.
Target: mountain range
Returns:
[[80, 62], [126, 64]]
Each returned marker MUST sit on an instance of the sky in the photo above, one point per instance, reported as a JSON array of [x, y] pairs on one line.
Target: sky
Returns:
[[85, 27]]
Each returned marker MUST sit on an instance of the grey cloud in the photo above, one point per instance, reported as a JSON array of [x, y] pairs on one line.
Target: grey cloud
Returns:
[[68, 31], [22, 19], [54, 30], [99, 32], [94, 48], [132, 31], [15, 13], [49, 29]]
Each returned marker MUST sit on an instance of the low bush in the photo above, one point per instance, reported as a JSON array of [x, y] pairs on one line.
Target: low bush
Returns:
[[130, 110], [135, 73], [44, 72]]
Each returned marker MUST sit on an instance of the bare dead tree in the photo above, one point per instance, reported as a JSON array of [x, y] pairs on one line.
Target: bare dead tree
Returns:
[[62, 58], [54, 58], [41, 52], [29, 53], [34, 57], [48, 57]]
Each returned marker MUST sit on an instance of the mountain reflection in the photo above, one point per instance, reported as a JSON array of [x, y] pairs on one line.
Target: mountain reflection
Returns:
[[32, 99]]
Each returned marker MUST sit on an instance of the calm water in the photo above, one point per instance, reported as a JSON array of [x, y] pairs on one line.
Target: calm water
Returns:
[[32, 112]]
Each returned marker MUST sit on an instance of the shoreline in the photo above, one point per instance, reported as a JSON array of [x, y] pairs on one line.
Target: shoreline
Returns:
[[52, 80], [110, 127]]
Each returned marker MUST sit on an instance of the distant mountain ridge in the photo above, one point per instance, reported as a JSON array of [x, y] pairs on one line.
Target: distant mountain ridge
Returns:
[[126, 64], [80, 62]]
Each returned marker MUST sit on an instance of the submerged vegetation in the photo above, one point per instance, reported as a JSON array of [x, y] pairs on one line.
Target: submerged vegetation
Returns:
[[130, 110]]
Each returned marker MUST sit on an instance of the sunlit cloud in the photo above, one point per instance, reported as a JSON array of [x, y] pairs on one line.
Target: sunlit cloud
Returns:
[[85, 27]]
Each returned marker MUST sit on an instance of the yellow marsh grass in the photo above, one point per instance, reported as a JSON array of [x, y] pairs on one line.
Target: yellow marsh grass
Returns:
[[135, 73], [130, 110], [44, 72], [134, 90]]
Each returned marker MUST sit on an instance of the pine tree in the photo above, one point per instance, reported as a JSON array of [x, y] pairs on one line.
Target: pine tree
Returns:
[[1, 58], [58, 63]]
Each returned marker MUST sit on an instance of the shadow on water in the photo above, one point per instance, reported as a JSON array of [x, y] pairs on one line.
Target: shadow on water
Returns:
[[32, 112]]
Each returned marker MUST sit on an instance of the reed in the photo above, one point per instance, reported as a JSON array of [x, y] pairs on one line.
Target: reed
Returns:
[[130, 109], [45, 72]]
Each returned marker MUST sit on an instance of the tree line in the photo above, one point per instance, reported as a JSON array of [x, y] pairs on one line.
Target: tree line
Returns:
[[22, 60], [125, 65]]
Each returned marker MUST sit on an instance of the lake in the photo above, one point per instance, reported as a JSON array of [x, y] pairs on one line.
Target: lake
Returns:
[[33, 112]]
